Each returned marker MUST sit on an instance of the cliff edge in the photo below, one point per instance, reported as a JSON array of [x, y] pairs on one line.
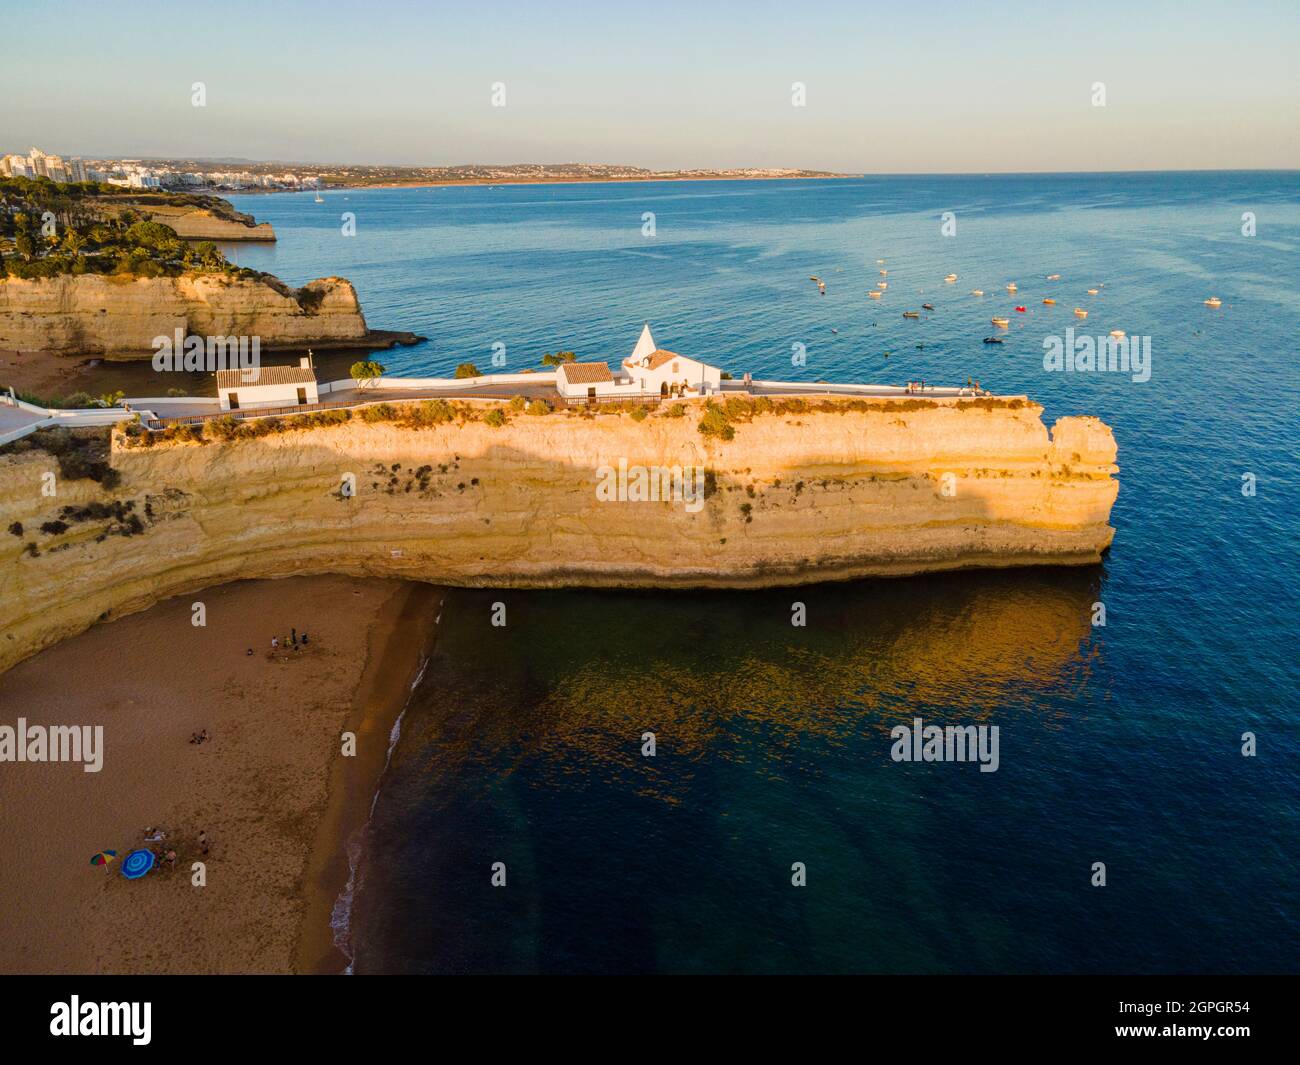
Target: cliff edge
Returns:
[[117, 316], [837, 491]]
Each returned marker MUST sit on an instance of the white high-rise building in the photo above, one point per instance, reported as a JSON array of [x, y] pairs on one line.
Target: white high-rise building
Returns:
[[16, 166]]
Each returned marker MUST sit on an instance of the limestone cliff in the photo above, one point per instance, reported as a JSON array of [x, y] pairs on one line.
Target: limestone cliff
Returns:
[[843, 491], [118, 316], [203, 224]]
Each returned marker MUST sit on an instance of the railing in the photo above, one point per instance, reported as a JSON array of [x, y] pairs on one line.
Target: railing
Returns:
[[646, 399], [249, 413]]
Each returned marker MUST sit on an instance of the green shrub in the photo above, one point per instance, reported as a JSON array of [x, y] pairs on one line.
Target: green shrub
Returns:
[[714, 423], [539, 407], [496, 417], [467, 369], [380, 412], [517, 403], [429, 413]]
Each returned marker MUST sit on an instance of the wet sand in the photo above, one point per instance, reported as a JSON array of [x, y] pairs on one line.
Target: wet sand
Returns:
[[270, 788]]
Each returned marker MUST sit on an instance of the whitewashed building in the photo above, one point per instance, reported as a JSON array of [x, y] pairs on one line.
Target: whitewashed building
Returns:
[[267, 386], [657, 370], [649, 371], [585, 380]]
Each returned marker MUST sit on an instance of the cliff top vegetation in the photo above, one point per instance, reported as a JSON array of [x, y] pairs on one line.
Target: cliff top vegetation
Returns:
[[49, 229]]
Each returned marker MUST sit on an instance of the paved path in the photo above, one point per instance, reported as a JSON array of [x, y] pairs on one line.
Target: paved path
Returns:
[[13, 420]]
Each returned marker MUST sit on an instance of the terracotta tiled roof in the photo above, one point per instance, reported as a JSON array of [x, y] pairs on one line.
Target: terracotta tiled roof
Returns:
[[661, 356], [585, 373], [266, 375]]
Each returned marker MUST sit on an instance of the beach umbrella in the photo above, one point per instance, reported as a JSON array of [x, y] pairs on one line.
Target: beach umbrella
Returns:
[[137, 863], [103, 858]]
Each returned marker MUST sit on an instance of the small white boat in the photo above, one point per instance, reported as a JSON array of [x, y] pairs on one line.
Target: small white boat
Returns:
[[319, 198], [874, 295], [1092, 292], [950, 278], [1011, 287], [977, 292], [1053, 277], [880, 262], [1214, 301], [882, 285], [884, 273], [1080, 312], [1001, 323], [1050, 302], [1118, 334]]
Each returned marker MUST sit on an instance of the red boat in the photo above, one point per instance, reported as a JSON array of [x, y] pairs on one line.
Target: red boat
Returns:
[[1021, 310]]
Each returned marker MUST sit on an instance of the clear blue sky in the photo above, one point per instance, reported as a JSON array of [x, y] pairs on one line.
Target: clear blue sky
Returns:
[[891, 87]]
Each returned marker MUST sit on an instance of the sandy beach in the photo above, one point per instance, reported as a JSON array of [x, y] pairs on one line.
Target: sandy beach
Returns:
[[270, 786]]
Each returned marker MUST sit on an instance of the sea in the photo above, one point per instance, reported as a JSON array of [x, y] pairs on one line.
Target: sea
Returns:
[[685, 782]]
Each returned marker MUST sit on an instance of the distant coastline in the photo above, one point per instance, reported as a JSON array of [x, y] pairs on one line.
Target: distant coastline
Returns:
[[559, 180]]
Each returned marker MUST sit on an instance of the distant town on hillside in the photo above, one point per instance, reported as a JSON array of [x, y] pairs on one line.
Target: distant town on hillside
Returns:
[[248, 176]]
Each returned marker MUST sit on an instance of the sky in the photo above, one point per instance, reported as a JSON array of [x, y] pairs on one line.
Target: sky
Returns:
[[897, 87]]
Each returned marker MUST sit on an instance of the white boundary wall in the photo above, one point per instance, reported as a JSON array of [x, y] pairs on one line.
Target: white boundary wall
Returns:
[[451, 384]]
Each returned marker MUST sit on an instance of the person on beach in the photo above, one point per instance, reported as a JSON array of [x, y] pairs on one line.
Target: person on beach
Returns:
[[203, 841], [275, 643], [250, 652], [304, 639], [293, 637]]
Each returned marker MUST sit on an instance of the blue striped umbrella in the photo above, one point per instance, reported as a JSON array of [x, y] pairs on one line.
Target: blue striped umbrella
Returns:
[[137, 863]]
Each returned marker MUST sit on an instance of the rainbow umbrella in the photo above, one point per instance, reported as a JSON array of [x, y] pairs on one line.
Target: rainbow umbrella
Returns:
[[137, 863], [103, 858]]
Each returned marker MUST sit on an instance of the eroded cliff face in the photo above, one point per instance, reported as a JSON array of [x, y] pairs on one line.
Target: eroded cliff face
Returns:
[[201, 224], [118, 317], [793, 498]]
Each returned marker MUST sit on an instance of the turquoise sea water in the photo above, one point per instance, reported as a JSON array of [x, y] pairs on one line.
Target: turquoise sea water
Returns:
[[1119, 744]]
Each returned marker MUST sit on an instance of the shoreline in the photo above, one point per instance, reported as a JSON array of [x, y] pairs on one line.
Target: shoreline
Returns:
[[399, 645], [533, 181]]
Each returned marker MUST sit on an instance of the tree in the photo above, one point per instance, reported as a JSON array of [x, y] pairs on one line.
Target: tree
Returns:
[[558, 357], [467, 369], [366, 371]]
